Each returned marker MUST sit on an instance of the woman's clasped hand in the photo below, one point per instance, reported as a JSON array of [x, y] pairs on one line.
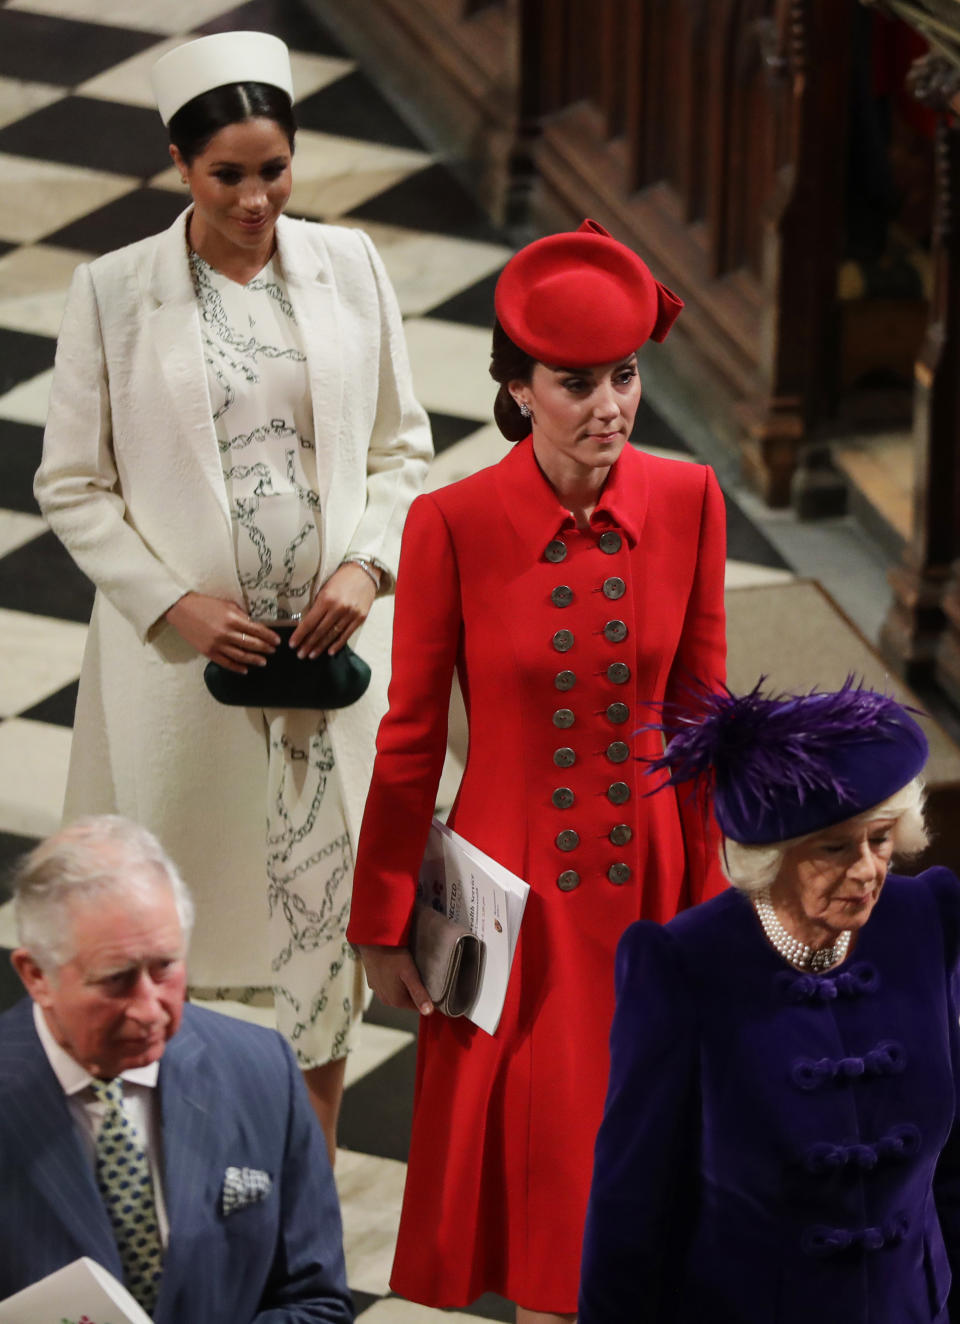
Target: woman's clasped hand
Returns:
[[340, 607], [222, 631]]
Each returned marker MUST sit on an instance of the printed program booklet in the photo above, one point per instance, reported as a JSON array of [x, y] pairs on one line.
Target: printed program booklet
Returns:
[[468, 886], [83, 1292]]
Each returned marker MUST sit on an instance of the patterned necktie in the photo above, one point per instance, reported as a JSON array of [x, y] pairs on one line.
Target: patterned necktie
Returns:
[[123, 1175]]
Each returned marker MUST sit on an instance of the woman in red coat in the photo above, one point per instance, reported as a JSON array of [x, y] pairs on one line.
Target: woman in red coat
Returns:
[[568, 585]]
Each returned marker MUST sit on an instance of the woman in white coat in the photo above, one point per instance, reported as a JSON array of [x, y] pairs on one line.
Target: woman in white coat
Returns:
[[233, 439]]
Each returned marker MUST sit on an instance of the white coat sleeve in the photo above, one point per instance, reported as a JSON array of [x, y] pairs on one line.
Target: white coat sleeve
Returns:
[[400, 448], [77, 486]]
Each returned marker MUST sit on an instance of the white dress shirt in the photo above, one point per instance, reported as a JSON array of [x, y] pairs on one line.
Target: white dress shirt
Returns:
[[141, 1105]]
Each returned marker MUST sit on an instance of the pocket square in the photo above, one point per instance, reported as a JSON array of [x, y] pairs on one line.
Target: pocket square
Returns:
[[244, 1186]]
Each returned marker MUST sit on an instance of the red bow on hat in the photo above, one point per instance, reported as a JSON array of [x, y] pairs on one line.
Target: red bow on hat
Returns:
[[582, 298]]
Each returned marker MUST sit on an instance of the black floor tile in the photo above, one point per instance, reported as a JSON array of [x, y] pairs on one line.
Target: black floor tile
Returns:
[[363, 1300], [393, 1017], [433, 199], [20, 447], [352, 107], [23, 356], [474, 305], [84, 131], [57, 709], [448, 429], [649, 429], [491, 1306], [747, 543], [134, 216], [40, 577], [12, 846], [286, 19], [62, 51], [378, 1108], [11, 990]]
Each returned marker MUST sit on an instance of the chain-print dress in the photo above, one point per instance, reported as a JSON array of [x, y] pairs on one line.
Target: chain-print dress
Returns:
[[260, 400]]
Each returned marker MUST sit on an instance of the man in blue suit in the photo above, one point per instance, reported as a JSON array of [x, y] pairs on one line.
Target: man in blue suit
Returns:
[[228, 1182]]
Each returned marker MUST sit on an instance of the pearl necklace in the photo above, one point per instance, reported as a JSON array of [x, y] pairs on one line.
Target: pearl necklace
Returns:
[[792, 949]]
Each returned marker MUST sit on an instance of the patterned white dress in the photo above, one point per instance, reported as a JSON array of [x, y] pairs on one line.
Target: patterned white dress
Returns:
[[260, 400]]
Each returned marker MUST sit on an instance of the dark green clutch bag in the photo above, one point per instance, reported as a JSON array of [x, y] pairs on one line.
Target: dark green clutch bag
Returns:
[[288, 682]]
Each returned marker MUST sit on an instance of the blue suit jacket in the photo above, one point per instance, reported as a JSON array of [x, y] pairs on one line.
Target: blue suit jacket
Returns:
[[780, 1147], [230, 1096]]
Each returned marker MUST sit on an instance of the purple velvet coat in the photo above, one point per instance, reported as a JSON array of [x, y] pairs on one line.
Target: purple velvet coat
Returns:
[[779, 1147]]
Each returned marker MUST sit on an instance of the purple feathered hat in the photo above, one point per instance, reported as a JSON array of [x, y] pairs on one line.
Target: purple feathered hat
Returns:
[[782, 766]]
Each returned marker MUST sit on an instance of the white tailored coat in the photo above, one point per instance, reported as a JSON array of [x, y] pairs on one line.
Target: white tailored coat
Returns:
[[132, 484]]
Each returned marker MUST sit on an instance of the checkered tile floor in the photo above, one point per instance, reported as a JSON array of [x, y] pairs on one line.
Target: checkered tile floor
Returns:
[[84, 169]]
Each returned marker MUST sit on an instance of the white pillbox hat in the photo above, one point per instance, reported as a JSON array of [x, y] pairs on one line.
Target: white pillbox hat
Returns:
[[227, 57]]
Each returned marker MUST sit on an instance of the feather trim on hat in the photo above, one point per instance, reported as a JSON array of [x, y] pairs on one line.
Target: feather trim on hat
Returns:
[[755, 746]]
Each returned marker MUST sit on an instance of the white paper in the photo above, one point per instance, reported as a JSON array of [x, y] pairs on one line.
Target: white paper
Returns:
[[82, 1293], [473, 889]]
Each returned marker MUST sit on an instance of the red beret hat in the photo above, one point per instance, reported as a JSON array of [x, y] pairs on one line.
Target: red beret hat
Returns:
[[580, 298]]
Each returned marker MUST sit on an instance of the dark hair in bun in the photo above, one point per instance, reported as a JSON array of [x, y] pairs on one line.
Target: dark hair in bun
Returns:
[[195, 123], [509, 363]]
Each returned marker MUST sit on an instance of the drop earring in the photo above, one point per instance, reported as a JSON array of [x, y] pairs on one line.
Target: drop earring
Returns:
[[524, 408]]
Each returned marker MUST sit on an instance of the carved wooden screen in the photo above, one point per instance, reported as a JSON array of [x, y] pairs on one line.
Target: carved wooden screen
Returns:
[[679, 94]]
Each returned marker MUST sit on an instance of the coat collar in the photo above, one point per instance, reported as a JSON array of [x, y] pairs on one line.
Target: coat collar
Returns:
[[538, 515]]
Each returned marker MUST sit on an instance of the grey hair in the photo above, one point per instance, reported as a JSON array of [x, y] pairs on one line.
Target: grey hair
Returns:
[[751, 868], [96, 855]]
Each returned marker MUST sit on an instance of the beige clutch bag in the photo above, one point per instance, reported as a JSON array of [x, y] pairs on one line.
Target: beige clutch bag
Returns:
[[449, 958]]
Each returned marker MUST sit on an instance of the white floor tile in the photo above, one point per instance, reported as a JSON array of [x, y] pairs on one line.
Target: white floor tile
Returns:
[[38, 656], [311, 72], [331, 175], [17, 528], [33, 776], [450, 367], [34, 281], [162, 16], [371, 1190], [19, 98], [8, 932], [395, 1311], [375, 1044], [39, 197], [28, 402], [742, 574], [129, 81], [426, 269]]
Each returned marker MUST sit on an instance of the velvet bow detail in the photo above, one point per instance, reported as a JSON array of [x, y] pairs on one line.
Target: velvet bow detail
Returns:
[[888, 1058], [821, 1241], [857, 982], [900, 1143]]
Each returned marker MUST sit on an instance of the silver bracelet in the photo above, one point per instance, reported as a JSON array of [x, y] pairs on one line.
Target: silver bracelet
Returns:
[[366, 566]]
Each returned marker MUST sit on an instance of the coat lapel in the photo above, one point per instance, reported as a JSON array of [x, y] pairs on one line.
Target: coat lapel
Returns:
[[308, 272], [173, 321], [39, 1126], [192, 1144]]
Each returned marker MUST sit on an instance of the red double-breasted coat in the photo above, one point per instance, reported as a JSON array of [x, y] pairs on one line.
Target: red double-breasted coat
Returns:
[[559, 636]]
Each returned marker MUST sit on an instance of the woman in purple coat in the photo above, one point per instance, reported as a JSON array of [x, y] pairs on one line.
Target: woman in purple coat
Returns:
[[780, 1140]]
